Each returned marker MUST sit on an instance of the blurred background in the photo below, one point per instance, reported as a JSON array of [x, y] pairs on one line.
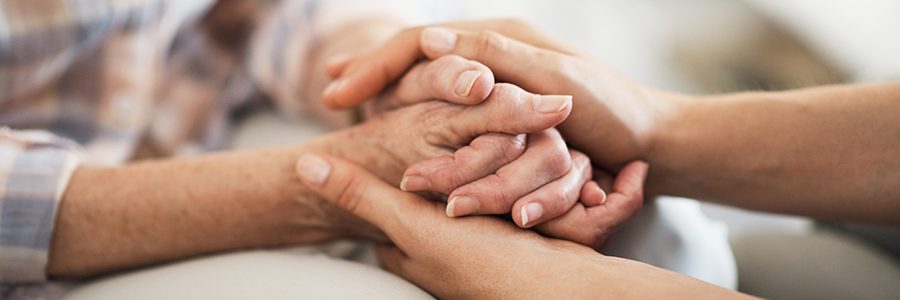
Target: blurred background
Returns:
[[718, 46]]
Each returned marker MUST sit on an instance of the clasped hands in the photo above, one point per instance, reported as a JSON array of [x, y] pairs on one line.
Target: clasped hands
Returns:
[[492, 148]]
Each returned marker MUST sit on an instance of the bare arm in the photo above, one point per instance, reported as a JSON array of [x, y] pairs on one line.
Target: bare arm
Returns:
[[830, 152], [112, 219]]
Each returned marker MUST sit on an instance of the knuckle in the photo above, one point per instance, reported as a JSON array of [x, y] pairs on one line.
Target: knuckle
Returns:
[[557, 199], [503, 101], [499, 198], [512, 149], [580, 160], [558, 162], [489, 43], [350, 194]]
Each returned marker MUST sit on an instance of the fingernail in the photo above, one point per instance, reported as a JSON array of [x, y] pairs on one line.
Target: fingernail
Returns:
[[415, 183], [461, 206], [313, 169], [334, 86], [602, 192], [466, 81], [438, 40], [550, 103], [531, 212]]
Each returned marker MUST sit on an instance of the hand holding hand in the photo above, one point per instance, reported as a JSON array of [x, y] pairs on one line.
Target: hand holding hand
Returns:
[[483, 257], [614, 118]]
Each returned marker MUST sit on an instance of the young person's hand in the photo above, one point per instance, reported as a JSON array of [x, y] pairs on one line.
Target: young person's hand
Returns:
[[483, 257]]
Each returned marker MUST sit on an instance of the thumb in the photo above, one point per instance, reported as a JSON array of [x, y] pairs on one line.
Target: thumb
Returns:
[[361, 193]]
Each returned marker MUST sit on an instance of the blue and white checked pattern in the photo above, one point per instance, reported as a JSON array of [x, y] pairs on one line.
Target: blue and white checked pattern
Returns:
[[34, 170]]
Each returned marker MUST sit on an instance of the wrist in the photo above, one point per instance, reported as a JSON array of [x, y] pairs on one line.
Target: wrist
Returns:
[[306, 212], [666, 110], [667, 141]]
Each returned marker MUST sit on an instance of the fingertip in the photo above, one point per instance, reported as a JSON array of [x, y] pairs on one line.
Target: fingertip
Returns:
[[530, 214], [551, 104], [635, 173], [481, 88], [462, 206], [602, 196], [333, 95], [415, 183], [644, 169], [313, 170], [466, 81]]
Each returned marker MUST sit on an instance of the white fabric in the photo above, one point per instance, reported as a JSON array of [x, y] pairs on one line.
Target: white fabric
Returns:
[[261, 274], [672, 233]]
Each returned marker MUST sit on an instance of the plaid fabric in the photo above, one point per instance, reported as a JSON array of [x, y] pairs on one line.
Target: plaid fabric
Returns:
[[103, 82]]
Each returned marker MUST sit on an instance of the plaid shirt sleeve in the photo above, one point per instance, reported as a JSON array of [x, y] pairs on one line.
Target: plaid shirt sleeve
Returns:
[[35, 167]]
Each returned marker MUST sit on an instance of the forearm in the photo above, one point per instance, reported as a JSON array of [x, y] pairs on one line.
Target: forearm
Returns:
[[617, 278], [831, 152], [113, 219], [566, 271]]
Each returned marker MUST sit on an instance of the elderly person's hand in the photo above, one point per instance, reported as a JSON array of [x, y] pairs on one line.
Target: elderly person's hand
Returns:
[[532, 177], [609, 112], [501, 145], [613, 114], [484, 257]]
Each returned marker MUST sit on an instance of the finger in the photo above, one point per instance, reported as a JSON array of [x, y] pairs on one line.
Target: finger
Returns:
[[370, 73], [546, 159], [628, 193], [511, 60], [485, 155], [554, 198], [361, 193], [336, 64], [511, 110], [450, 78], [366, 75], [592, 194], [591, 226], [604, 179]]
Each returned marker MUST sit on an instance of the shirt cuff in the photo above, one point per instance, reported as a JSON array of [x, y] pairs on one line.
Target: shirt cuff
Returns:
[[35, 168]]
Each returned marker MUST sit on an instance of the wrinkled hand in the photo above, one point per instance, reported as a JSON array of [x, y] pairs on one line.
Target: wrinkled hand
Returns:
[[614, 115], [405, 135], [533, 176]]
